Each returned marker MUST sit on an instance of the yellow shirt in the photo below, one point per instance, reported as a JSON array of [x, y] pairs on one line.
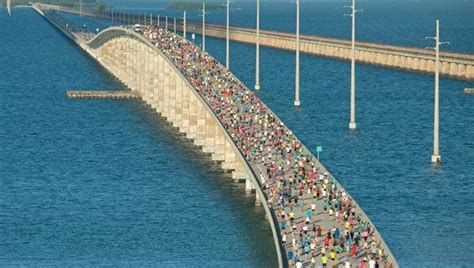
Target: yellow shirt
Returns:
[[347, 225], [324, 259]]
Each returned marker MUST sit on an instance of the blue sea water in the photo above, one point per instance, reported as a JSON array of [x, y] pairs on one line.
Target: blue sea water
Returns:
[[106, 183], [425, 213], [405, 23]]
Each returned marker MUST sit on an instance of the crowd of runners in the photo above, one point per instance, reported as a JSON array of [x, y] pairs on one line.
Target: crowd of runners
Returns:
[[320, 225]]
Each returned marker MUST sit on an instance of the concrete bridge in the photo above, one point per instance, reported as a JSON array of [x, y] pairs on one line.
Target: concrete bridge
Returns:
[[218, 113], [455, 65]]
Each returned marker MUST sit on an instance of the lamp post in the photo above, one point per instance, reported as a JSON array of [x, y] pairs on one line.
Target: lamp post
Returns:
[[227, 43], [257, 48], [435, 157], [9, 8], [203, 26], [184, 24], [352, 122], [297, 102]]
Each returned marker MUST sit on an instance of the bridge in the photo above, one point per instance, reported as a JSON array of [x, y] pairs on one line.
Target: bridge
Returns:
[[313, 218], [455, 65]]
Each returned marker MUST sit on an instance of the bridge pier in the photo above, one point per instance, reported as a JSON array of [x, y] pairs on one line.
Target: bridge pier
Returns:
[[470, 72], [210, 127], [249, 185], [172, 96], [152, 77], [219, 146], [200, 139], [185, 108]]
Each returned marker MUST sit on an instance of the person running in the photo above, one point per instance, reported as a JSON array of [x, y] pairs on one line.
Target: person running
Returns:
[[332, 255], [324, 260], [354, 251]]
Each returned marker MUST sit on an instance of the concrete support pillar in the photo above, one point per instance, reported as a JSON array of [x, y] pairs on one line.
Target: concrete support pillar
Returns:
[[143, 70], [135, 64], [161, 85], [131, 59], [219, 145], [249, 185], [166, 90], [119, 59], [108, 56], [128, 60], [151, 75], [200, 139], [156, 81], [142, 74], [444, 67], [185, 109], [470, 71], [193, 110], [126, 64], [210, 129], [172, 95], [229, 159], [462, 70], [146, 71], [149, 71], [453, 69], [179, 101]]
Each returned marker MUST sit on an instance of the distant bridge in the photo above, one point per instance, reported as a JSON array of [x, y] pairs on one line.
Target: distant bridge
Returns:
[[169, 90], [456, 65]]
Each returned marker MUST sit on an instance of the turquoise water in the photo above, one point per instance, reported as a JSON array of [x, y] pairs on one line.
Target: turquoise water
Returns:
[[94, 183], [425, 213], [399, 22]]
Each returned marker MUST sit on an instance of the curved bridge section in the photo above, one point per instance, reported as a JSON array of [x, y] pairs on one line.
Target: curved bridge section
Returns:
[[310, 213]]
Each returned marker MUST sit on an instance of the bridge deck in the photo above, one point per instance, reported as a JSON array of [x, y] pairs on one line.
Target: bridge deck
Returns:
[[317, 217], [292, 178]]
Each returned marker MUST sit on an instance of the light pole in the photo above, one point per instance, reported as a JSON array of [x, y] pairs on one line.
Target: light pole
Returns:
[[203, 26], [80, 8], [166, 23], [297, 76], [227, 43], [436, 158], [257, 48], [174, 25], [352, 123], [9, 8], [184, 24]]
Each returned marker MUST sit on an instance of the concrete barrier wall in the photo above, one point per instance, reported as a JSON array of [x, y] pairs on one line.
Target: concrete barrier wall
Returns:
[[452, 65]]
